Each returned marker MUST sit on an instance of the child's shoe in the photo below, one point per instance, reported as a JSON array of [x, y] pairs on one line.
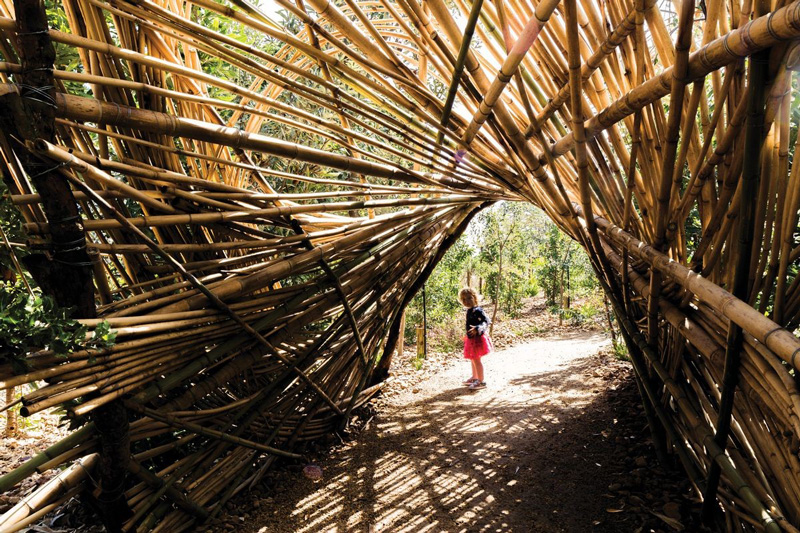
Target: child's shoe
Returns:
[[475, 385], [470, 381]]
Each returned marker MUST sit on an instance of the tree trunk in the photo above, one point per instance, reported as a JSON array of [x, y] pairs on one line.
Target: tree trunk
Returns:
[[30, 115], [497, 291], [561, 298], [610, 323], [111, 421]]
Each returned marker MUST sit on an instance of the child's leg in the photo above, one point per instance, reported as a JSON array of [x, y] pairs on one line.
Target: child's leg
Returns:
[[477, 370], [474, 368]]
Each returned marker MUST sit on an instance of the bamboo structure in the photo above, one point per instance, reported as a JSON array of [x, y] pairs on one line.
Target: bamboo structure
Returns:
[[250, 198]]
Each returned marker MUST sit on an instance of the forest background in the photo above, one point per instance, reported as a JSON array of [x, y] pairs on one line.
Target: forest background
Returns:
[[511, 252]]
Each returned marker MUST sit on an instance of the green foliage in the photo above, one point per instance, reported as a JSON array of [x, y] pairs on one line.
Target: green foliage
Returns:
[[563, 268], [514, 287], [528, 330], [441, 290], [621, 351], [510, 251], [577, 316], [553, 264], [448, 337], [11, 224], [29, 323], [67, 57], [507, 238]]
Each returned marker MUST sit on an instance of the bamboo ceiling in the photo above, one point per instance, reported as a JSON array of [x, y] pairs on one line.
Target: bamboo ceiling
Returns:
[[250, 204]]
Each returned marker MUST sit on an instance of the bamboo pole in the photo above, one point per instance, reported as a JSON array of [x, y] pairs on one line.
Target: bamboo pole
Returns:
[[458, 68], [680, 71], [757, 35], [214, 299], [778, 340], [215, 165], [751, 171], [63, 483], [173, 421], [515, 56]]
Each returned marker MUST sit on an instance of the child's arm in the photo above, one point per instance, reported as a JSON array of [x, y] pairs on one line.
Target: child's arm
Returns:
[[480, 329]]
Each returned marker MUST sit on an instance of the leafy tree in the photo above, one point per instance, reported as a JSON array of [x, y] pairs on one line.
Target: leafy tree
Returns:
[[563, 269], [441, 290], [506, 235], [556, 255], [509, 252]]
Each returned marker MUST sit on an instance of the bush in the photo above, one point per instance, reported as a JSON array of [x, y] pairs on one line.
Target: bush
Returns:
[[34, 322], [621, 351], [577, 316]]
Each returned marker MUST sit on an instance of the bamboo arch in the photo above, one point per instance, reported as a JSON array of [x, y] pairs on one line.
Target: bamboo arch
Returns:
[[250, 204]]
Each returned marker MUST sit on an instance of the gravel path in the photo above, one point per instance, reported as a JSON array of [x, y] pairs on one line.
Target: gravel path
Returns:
[[529, 453]]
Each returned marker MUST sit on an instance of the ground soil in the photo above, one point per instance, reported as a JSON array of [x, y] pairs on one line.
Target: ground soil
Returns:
[[556, 443], [34, 435]]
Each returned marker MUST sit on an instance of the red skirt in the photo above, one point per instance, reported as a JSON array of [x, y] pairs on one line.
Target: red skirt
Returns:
[[478, 346]]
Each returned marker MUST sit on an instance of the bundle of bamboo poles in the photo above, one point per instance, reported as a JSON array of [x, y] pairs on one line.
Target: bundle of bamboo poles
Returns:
[[250, 198]]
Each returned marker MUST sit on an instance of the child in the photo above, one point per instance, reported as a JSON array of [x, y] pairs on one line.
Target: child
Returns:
[[477, 342]]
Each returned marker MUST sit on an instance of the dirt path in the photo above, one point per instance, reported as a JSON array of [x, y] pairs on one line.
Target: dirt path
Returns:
[[530, 453]]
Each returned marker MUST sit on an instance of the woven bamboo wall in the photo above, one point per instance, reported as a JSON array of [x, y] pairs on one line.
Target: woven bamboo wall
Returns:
[[250, 205]]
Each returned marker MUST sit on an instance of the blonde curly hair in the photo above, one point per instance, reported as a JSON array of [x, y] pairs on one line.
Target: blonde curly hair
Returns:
[[468, 297]]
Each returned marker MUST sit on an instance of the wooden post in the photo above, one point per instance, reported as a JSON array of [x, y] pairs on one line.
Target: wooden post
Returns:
[[401, 341], [610, 323], [424, 322], [29, 115]]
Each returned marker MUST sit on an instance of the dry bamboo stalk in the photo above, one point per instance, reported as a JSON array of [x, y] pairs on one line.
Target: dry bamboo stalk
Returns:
[[64, 482], [515, 56], [36, 228], [665, 188], [43, 511], [757, 35], [616, 38], [240, 189], [778, 340], [173, 421], [210, 295], [76, 108]]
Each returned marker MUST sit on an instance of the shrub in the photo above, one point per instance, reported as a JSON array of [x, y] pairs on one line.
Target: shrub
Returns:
[[35, 322]]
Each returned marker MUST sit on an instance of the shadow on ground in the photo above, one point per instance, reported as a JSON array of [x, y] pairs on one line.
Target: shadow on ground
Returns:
[[536, 452]]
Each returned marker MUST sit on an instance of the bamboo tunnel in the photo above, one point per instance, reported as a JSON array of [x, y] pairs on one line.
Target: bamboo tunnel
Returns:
[[250, 215]]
